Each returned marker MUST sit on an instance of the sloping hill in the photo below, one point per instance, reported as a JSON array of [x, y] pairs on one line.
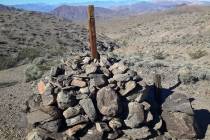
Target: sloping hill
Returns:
[[26, 35], [80, 12]]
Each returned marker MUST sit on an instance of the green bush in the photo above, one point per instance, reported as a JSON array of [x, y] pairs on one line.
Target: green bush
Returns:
[[33, 72], [30, 53], [198, 54]]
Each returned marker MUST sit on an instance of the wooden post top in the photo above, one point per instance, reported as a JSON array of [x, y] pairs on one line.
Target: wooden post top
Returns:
[[91, 11]]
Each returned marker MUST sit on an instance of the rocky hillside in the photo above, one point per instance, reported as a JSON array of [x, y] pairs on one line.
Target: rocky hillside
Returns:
[[27, 35], [80, 12]]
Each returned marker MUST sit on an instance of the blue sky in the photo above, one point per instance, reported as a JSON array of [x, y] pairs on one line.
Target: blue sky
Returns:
[[12, 2]]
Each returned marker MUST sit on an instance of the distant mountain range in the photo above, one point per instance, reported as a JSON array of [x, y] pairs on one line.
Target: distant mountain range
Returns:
[[105, 9]]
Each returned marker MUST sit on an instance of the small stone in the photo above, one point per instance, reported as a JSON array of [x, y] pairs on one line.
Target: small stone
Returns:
[[105, 71], [108, 102], [114, 135], [33, 103], [146, 105], [90, 69], [104, 62], [37, 134], [118, 68], [135, 116], [129, 86], [149, 117], [89, 108], [72, 131], [115, 123], [86, 60], [102, 127], [41, 87], [122, 77], [85, 90], [93, 134], [52, 126], [82, 96], [138, 133], [98, 80], [158, 125], [72, 111], [65, 100], [57, 70], [78, 83], [76, 120], [51, 110]]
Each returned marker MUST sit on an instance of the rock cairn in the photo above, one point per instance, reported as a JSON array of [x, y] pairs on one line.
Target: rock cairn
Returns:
[[99, 99]]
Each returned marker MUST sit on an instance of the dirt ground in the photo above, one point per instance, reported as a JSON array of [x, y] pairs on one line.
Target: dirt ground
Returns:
[[13, 93]]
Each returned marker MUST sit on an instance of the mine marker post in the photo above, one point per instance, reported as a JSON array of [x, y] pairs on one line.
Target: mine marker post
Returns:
[[92, 32], [158, 86]]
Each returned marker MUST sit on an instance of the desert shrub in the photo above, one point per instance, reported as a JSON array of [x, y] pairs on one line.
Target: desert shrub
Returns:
[[197, 54], [159, 55], [30, 53], [7, 62], [186, 76], [33, 72]]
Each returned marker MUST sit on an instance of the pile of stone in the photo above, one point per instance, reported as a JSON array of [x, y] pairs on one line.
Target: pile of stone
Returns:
[[97, 99]]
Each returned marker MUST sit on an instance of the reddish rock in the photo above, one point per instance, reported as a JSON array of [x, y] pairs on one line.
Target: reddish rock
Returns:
[[41, 87]]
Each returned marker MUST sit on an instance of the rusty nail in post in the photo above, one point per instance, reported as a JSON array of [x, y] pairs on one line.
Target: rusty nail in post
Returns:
[[92, 32]]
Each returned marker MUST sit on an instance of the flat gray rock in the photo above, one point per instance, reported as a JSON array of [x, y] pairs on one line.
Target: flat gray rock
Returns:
[[178, 103], [179, 125], [89, 108], [138, 133]]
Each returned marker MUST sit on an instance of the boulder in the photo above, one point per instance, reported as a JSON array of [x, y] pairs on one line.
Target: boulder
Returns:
[[89, 108], [178, 102], [85, 90], [135, 116], [179, 125], [137, 133], [108, 102]]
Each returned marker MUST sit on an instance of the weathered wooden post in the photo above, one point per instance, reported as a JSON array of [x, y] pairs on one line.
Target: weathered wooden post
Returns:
[[158, 86], [92, 32]]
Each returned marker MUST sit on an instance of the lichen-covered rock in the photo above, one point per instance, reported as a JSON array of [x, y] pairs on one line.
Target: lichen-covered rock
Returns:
[[135, 116], [108, 102]]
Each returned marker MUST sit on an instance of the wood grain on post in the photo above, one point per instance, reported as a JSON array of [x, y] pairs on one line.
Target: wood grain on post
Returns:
[[158, 86], [92, 32]]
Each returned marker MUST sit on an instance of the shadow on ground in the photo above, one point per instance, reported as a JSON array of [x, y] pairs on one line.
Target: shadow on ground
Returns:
[[7, 84], [202, 117]]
